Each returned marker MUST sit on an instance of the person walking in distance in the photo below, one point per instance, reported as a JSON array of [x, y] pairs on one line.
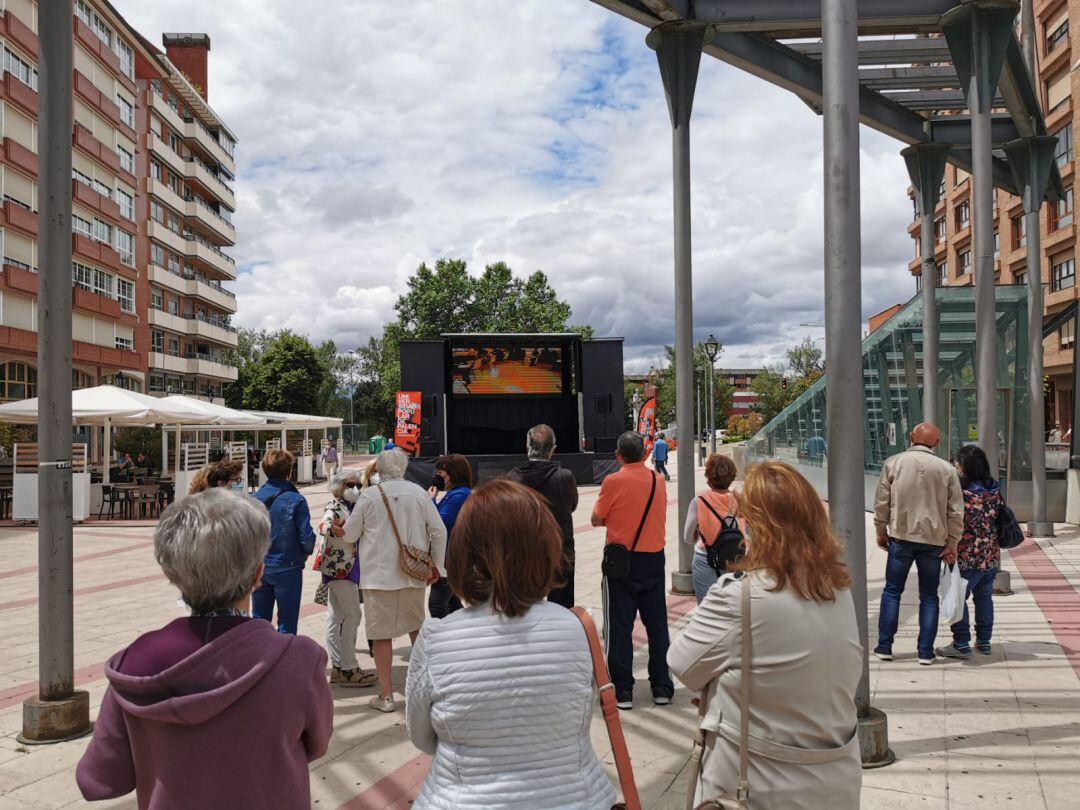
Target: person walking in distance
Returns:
[[559, 488], [660, 456], [919, 517], [330, 461], [633, 506]]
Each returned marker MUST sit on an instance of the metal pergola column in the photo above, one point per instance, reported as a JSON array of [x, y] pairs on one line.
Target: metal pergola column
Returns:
[[678, 52], [926, 167], [1031, 159]]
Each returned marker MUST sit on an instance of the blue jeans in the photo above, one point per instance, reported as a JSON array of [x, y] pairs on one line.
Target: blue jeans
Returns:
[[703, 575], [981, 584], [661, 467], [927, 560], [643, 591], [282, 586]]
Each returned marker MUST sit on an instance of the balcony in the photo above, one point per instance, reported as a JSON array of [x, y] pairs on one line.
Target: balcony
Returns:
[[210, 219], [167, 113], [199, 172], [166, 320], [206, 365], [212, 329], [190, 284], [204, 139], [20, 95], [95, 201], [174, 241], [22, 219], [20, 157], [210, 255], [166, 153], [167, 362], [165, 194]]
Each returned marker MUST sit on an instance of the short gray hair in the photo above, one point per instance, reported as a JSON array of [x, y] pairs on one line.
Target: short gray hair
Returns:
[[540, 442], [338, 481], [391, 464], [630, 447], [211, 545]]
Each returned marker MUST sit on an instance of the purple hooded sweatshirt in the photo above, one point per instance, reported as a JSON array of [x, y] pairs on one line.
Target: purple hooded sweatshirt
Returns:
[[211, 713]]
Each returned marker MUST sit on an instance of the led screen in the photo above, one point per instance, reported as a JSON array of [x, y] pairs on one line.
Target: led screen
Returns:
[[507, 370]]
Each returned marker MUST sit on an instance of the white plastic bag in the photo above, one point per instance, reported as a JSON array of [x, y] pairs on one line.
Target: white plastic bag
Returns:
[[953, 594]]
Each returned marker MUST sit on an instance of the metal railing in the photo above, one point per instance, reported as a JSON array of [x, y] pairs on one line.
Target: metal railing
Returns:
[[194, 237], [209, 358], [218, 322], [211, 172]]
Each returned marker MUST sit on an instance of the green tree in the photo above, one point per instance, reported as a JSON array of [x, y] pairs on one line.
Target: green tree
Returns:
[[781, 384], [804, 360], [289, 375], [250, 345], [772, 397], [723, 393]]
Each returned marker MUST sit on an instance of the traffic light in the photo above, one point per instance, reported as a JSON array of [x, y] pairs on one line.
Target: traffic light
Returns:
[[783, 383]]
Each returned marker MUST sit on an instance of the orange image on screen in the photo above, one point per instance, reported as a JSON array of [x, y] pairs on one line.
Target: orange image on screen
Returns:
[[507, 370]]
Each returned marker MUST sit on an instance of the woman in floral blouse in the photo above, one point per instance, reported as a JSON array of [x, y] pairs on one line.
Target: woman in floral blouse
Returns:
[[978, 555], [336, 561]]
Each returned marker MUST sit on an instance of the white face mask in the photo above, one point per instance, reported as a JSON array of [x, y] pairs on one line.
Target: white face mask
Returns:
[[238, 486], [352, 494]]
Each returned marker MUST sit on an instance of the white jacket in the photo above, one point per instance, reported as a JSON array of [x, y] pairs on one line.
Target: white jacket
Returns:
[[418, 522], [504, 705]]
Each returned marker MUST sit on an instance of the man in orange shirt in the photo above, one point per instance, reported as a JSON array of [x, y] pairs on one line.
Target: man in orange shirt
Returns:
[[633, 507]]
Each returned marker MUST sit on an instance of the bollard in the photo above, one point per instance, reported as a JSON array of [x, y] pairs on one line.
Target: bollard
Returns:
[[1003, 584], [874, 740]]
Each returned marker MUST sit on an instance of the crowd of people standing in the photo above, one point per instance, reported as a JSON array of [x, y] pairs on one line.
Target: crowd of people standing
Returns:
[[501, 685]]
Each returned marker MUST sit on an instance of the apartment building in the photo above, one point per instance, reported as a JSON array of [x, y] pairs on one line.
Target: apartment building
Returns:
[[152, 166], [1058, 85]]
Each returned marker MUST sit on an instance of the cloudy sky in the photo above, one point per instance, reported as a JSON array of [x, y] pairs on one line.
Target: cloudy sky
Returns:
[[375, 136]]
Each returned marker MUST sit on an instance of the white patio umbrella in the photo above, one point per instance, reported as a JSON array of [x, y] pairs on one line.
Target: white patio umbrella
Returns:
[[217, 414]]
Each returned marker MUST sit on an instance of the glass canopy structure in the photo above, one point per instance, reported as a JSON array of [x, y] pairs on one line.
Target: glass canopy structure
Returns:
[[892, 361]]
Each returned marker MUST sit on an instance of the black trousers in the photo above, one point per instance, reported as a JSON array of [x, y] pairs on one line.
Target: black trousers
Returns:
[[441, 600], [564, 594], [643, 591]]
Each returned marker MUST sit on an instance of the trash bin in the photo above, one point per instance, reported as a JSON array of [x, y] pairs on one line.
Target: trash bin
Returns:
[[376, 444]]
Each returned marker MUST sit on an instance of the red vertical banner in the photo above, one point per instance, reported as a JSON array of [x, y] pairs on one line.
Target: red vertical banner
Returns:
[[407, 421], [646, 423]]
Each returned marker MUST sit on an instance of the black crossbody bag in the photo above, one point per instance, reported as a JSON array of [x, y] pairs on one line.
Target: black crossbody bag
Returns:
[[616, 563]]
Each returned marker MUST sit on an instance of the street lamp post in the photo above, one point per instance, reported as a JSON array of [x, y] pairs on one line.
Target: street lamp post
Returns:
[[712, 349]]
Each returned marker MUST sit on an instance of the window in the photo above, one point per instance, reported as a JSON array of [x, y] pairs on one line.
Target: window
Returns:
[[942, 273], [157, 254], [1020, 278], [939, 229], [127, 58], [157, 341], [127, 160], [156, 301], [127, 112], [174, 306], [174, 263], [20, 69], [102, 232], [157, 382], [126, 344], [82, 276], [127, 204], [102, 189], [155, 170], [1019, 232], [85, 179], [174, 346], [172, 222], [1063, 275], [103, 283], [963, 215], [1058, 35], [125, 294], [965, 261], [1067, 334], [127, 382], [101, 28], [80, 379], [1063, 211], [1057, 91], [83, 12], [227, 143], [18, 202], [81, 226], [1063, 153], [125, 246], [17, 381], [157, 213], [997, 244]]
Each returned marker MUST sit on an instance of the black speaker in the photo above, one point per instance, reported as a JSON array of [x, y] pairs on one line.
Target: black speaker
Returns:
[[430, 448], [604, 444], [602, 404]]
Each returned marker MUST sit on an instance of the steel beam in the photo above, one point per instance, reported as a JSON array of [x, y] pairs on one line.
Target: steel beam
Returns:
[[886, 51], [678, 53], [1031, 159], [803, 17], [909, 78], [956, 130]]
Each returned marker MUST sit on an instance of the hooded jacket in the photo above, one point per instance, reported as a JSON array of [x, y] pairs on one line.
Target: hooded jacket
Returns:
[[292, 540], [232, 724], [557, 485]]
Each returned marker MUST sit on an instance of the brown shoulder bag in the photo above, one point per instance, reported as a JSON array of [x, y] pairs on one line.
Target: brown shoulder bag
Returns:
[[415, 563]]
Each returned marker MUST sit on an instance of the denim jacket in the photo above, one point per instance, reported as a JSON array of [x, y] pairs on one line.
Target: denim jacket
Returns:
[[292, 539]]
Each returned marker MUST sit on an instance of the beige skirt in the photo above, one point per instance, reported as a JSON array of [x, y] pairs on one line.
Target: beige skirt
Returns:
[[392, 614]]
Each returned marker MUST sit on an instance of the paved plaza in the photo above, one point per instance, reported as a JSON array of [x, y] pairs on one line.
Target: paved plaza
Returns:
[[997, 731]]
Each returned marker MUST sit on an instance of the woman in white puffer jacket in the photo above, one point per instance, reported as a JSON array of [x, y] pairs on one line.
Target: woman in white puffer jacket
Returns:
[[501, 692]]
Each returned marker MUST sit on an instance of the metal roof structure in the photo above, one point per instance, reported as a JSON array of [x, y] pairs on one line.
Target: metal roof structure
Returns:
[[911, 84]]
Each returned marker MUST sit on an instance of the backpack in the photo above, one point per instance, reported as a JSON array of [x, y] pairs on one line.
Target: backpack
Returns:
[[727, 546], [1010, 535]]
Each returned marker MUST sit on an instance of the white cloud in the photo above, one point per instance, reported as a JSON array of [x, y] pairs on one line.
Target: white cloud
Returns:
[[374, 136]]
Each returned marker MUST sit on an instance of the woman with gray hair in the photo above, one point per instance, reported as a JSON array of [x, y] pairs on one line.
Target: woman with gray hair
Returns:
[[336, 560], [389, 515], [215, 687]]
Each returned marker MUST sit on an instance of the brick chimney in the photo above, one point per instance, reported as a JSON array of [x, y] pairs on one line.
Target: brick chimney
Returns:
[[189, 53]]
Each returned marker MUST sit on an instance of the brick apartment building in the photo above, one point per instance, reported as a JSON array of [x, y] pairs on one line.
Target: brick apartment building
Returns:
[[152, 167], [1057, 85]]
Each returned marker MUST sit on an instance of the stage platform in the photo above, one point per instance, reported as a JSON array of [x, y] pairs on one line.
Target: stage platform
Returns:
[[588, 468]]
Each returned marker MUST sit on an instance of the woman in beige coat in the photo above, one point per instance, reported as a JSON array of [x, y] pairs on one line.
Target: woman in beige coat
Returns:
[[805, 662]]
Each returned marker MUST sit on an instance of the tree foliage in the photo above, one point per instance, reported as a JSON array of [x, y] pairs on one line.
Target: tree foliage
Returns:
[[289, 375], [723, 393], [804, 366], [743, 426]]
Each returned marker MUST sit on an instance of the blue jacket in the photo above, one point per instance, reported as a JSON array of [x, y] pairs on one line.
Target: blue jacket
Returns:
[[450, 505], [659, 450], [292, 539]]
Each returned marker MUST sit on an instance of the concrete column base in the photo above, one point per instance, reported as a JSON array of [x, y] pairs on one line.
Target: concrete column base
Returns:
[[874, 740], [1003, 584], [1040, 529], [53, 721], [682, 584]]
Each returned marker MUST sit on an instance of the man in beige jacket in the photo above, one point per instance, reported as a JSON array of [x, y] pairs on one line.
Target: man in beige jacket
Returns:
[[919, 517]]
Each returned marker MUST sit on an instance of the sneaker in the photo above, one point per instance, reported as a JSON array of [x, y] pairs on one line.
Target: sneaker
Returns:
[[955, 650], [383, 704], [983, 647], [624, 700], [925, 662], [661, 698], [352, 677], [882, 654]]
